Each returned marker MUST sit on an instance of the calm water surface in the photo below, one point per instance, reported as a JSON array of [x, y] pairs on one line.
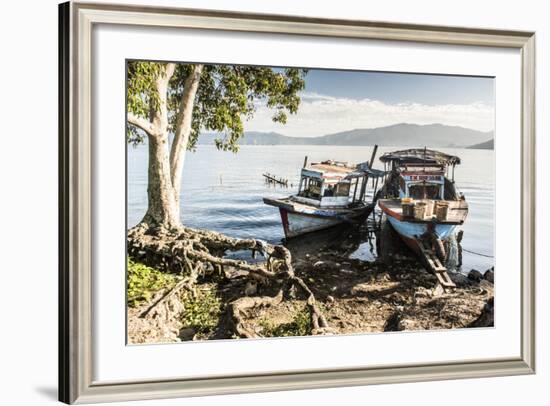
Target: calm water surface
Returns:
[[223, 191]]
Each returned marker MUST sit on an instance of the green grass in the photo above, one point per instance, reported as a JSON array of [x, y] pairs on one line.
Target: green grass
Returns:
[[144, 281], [202, 310]]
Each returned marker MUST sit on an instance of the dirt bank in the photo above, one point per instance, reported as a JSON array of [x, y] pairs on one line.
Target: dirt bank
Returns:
[[355, 297]]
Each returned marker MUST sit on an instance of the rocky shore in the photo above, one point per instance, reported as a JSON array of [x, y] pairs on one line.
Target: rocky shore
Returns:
[[362, 297]]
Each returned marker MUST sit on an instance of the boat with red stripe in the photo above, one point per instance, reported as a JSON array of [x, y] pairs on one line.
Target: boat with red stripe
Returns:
[[420, 198]]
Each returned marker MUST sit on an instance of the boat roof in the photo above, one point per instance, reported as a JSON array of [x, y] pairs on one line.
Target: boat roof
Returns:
[[328, 170], [332, 167], [420, 156], [340, 170]]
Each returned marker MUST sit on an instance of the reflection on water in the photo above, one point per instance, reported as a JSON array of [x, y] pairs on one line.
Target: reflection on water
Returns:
[[223, 191], [366, 251]]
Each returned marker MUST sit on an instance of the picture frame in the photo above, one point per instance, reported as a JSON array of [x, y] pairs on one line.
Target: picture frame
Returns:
[[76, 214]]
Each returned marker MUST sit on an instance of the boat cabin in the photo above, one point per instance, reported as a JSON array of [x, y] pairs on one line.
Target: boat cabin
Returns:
[[422, 183], [333, 184], [421, 174]]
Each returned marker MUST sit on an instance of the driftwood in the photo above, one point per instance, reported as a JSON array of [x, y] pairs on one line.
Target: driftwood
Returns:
[[191, 253]]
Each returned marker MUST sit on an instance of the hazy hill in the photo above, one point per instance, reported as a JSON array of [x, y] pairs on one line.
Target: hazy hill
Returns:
[[484, 145], [432, 135]]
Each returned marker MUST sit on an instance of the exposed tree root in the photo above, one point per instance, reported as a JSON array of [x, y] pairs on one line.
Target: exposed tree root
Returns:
[[191, 253], [319, 322], [238, 308]]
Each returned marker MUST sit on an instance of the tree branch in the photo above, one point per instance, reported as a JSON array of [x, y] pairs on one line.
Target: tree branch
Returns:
[[169, 71], [142, 123], [160, 116]]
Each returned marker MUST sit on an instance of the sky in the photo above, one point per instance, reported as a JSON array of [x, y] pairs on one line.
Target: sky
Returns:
[[335, 101]]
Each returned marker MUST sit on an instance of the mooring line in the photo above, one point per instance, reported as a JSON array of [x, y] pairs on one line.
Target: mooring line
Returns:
[[477, 253]]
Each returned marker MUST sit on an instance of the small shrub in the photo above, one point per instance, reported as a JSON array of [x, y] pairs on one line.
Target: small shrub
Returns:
[[144, 281]]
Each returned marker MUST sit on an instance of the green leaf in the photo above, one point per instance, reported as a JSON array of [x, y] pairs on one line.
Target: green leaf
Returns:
[[227, 96]]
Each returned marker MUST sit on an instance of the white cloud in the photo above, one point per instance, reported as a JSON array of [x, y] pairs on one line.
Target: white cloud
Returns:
[[321, 114]]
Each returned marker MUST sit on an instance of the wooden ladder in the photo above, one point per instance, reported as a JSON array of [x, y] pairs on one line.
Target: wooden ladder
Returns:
[[435, 265]]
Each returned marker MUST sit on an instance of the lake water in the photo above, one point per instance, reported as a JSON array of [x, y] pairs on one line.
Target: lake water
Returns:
[[223, 191]]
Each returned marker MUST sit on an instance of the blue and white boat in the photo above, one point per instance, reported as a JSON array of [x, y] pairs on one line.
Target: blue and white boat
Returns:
[[419, 196], [330, 193]]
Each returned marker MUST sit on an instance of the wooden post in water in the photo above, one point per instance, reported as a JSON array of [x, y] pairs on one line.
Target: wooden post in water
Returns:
[[302, 179], [424, 182], [366, 178], [371, 162]]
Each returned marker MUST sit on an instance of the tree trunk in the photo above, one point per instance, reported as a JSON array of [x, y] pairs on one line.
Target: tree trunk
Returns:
[[183, 127], [165, 168], [163, 209]]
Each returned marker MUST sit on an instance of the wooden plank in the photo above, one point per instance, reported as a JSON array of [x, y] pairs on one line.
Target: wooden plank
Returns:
[[435, 265]]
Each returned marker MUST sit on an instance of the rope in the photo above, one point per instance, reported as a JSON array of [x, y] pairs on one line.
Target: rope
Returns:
[[477, 253]]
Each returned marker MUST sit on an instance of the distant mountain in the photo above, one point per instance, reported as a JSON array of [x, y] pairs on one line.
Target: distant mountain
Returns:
[[403, 135], [261, 138], [484, 145]]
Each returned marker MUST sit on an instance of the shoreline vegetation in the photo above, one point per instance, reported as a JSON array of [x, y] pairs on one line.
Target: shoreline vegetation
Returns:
[[325, 292]]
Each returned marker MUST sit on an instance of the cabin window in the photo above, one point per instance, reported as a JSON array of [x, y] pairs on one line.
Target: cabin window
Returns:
[[312, 188], [425, 191], [342, 189], [329, 190]]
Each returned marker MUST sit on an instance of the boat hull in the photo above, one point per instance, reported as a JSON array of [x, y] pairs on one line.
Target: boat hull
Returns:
[[411, 229], [410, 232], [298, 219], [295, 224]]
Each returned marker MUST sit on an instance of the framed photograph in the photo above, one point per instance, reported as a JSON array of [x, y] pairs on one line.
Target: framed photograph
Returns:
[[263, 202]]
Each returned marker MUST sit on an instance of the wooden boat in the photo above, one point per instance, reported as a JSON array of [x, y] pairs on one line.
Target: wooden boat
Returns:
[[330, 193], [419, 199]]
